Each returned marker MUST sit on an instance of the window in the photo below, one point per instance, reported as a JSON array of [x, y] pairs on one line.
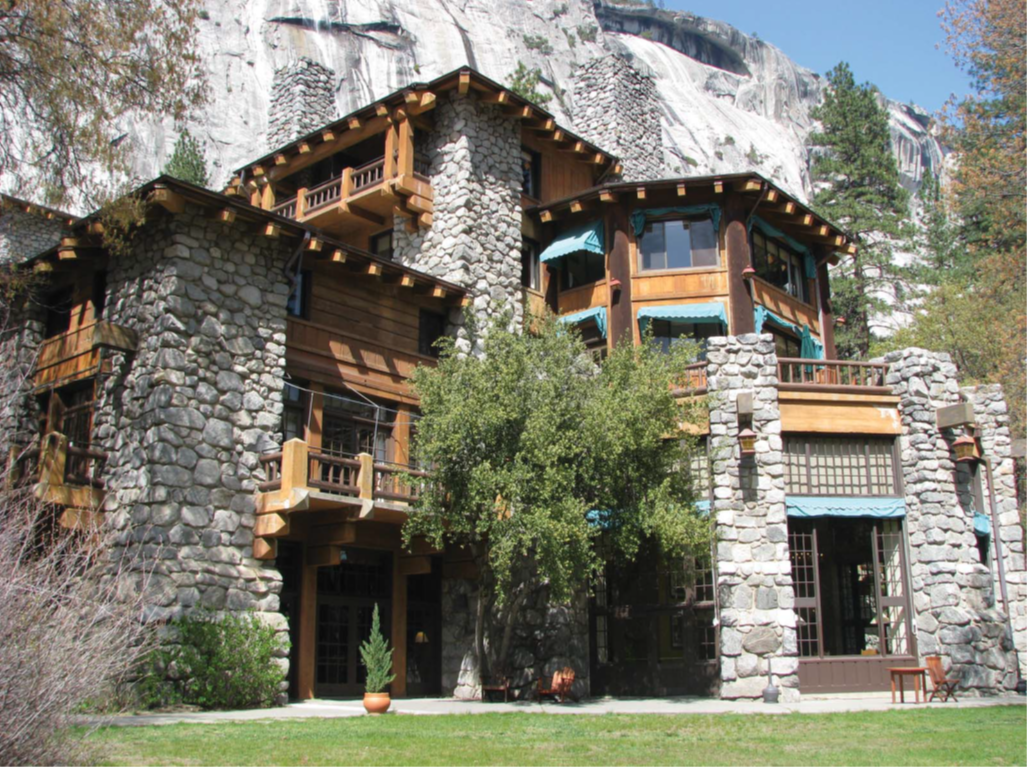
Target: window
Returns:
[[294, 414], [785, 344], [839, 466], [58, 312], [579, 269], [699, 470], [431, 327], [595, 341], [299, 301], [531, 271], [666, 333], [99, 294], [779, 266], [381, 245], [678, 245], [531, 170]]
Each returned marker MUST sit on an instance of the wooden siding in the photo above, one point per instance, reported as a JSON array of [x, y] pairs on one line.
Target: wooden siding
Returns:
[[585, 297], [563, 175], [867, 673], [361, 330], [785, 306], [67, 357], [833, 413], [648, 287]]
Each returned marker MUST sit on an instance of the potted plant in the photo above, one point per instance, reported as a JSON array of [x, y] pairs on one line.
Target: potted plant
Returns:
[[376, 656]]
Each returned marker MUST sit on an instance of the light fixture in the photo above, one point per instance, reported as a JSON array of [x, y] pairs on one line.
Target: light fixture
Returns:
[[747, 440], [966, 449], [748, 273], [420, 638]]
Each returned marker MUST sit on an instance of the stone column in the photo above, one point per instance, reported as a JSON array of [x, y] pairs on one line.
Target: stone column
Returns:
[[302, 100], [754, 577], [952, 594], [991, 417]]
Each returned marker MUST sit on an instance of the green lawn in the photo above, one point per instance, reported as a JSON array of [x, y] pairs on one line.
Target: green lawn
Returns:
[[982, 736]]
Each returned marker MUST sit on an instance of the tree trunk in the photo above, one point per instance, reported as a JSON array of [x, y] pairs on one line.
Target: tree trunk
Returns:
[[512, 611], [479, 618]]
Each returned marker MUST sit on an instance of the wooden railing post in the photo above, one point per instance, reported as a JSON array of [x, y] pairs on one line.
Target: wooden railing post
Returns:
[[301, 202], [295, 465], [365, 477], [53, 459], [347, 184]]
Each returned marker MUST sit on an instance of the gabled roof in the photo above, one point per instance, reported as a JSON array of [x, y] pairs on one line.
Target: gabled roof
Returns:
[[170, 193], [41, 210], [463, 80], [768, 200]]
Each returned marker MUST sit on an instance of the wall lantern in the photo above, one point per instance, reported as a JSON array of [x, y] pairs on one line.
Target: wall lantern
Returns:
[[746, 435], [966, 449], [747, 441], [748, 273], [420, 638], [614, 284]]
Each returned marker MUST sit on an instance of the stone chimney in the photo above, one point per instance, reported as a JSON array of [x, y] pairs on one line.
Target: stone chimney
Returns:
[[302, 100], [616, 108]]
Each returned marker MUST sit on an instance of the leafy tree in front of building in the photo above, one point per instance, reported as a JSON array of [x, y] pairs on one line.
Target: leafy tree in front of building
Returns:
[[857, 182], [187, 161], [536, 450]]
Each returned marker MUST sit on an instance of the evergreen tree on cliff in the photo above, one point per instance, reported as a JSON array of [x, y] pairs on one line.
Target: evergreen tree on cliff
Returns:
[[858, 189], [187, 162]]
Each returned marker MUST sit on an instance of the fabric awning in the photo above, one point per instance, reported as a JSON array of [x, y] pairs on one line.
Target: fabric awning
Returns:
[[640, 217], [810, 347], [703, 507], [598, 314], [804, 506], [587, 238], [809, 264], [982, 525], [697, 313]]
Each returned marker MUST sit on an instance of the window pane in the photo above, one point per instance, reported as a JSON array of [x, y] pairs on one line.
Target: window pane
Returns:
[[654, 246], [530, 268], [679, 244], [704, 244]]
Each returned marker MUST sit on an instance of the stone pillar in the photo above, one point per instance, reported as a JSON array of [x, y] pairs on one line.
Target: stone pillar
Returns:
[[617, 108], [952, 595], [991, 417], [302, 100], [475, 237], [754, 577]]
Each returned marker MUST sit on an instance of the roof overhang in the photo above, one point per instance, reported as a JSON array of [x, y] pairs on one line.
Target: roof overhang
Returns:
[[766, 199], [51, 214]]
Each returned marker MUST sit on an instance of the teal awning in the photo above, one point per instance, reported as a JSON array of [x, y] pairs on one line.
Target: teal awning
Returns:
[[982, 525], [697, 313], [803, 506], [809, 264], [640, 217], [587, 238], [810, 347], [703, 507], [598, 314]]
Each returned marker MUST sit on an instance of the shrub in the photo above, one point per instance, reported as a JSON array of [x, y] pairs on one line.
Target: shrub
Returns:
[[588, 32], [376, 657], [218, 662], [524, 82], [538, 43]]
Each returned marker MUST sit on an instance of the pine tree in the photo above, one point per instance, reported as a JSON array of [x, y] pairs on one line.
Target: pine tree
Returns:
[[524, 82], [187, 162], [860, 191], [376, 657]]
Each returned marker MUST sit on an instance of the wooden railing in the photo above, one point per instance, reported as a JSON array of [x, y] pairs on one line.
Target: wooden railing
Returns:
[[322, 194], [422, 166], [60, 473], [24, 465], [391, 483], [286, 208], [693, 381], [272, 465], [335, 473], [368, 174], [795, 373], [83, 466]]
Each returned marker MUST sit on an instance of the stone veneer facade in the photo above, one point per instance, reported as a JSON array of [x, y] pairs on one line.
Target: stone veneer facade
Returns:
[[754, 578], [23, 235], [616, 107], [186, 417], [302, 100]]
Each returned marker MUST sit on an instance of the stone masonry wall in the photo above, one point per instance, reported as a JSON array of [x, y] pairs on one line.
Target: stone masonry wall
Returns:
[[953, 597], [617, 109], [475, 236], [302, 100], [991, 416], [19, 348], [185, 420], [23, 235], [754, 579]]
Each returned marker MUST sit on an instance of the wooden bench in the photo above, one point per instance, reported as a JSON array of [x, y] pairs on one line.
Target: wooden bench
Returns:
[[495, 686]]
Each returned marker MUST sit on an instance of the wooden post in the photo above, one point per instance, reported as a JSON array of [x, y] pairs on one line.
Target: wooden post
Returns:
[[391, 142], [826, 310], [401, 434], [405, 165], [52, 460], [399, 628], [365, 477], [267, 197], [347, 184], [620, 324], [736, 244], [301, 202], [294, 464], [307, 632]]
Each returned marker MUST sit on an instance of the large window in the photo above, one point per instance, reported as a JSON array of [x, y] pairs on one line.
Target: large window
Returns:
[[839, 466], [779, 266], [579, 269], [531, 271], [678, 244], [531, 173], [666, 333]]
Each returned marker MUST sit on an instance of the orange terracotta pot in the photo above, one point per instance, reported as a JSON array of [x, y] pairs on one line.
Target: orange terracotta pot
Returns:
[[377, 702]]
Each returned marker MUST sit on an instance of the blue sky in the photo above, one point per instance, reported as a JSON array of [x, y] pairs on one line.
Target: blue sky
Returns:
[[891, 43]]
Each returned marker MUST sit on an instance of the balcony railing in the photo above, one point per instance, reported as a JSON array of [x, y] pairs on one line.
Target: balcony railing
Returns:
[[62, 474], [369, 174], [693, 382], [286, 208], [795, 373]]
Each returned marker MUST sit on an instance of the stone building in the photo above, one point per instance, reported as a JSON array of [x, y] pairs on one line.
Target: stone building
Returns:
[[233, 393]]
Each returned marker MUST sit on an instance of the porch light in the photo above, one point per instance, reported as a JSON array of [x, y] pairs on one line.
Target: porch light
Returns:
[[748, 273], [615, 284], [420, 638], [747, 440], [966, 449]]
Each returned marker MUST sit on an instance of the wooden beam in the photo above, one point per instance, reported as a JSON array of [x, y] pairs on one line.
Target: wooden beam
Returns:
[[521, 113], [424, 103], [225, 215], [381, 110], [438, 292], [327, 135], [425, 220], [503, 97], [558, 136], [772, 195], [314, 244], [258, 171], [748, 185], [66, 254], [323, 556], [271, 230], [640, 193], [94, 227], [823, 230], [577, 206], [607, 197], [807, 219], [303, 147], [373, 269], [338, 256], [271, 525], [359, 212], [546, 216], [281, 159], [545, 125], [170, 201], [414, 565], [465, 83], [618, 169], [353, 123], [265, 548], [406, 281], [718, 187]]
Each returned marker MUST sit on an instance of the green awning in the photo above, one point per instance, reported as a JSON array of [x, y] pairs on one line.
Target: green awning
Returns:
[[982, 525], [587, 238], [598, 314], [810, 347], [696, 313], [640, 217], [809, 264], [805, 506]]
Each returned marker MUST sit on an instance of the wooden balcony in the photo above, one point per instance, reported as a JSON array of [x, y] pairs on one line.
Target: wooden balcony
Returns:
[[797, 374], [301, 479], [833, 396], [363, 196], [62, 474], [76, 354]]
